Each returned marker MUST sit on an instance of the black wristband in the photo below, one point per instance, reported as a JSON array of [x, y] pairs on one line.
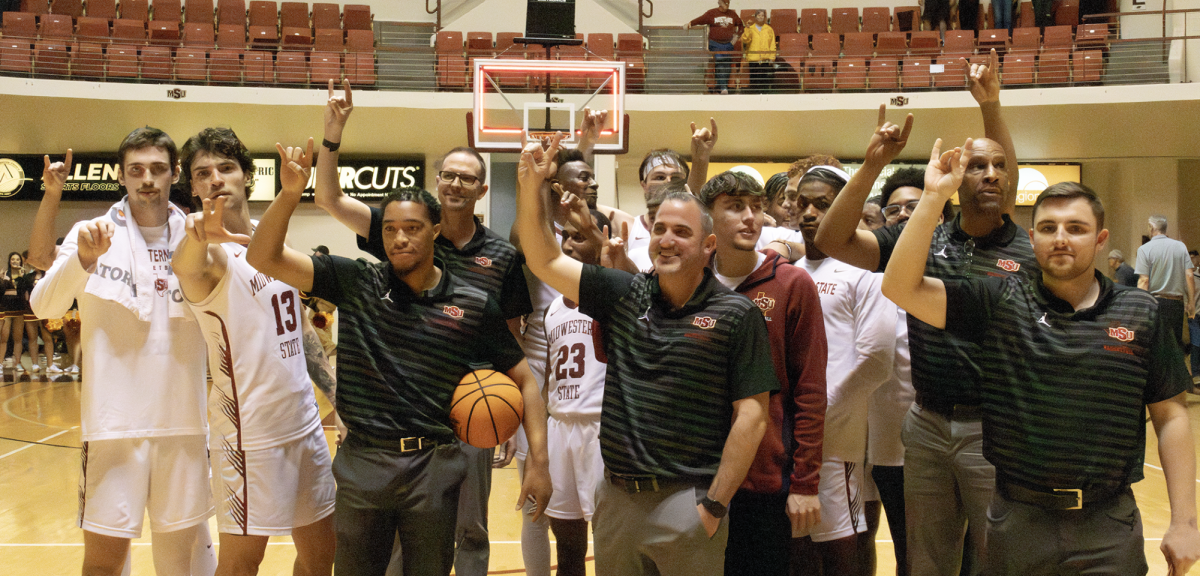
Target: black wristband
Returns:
[[332, 146]]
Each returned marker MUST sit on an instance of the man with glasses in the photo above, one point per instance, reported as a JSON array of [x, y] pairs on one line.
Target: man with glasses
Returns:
[[469, 250], [901, 193]]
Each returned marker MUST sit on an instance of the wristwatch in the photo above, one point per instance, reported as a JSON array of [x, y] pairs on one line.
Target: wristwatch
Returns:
[[717, 509]]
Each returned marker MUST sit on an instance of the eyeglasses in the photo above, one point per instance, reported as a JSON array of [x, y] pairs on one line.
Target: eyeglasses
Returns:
[[466, 179], [893, 210]]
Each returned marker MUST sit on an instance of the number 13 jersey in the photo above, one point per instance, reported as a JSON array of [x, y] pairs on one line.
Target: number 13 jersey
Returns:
[[261, 394], [574, 371]]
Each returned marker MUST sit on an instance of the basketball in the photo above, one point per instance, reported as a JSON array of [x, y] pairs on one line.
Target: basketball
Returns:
[[486, 409]]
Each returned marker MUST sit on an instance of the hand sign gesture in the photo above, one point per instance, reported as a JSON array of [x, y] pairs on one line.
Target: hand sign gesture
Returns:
[[54, 176], [612, 254], [704, 139], [945, 170], [95, 238], [593, 122], [889, 139], [296, 167], [337, 111], [537, 163], [208, 225], [985, 79]]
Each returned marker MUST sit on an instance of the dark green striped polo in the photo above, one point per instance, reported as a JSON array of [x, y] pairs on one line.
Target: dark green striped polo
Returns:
[[673, 374], [944, 367], [1064, 396], [487, 261], [400, 354]]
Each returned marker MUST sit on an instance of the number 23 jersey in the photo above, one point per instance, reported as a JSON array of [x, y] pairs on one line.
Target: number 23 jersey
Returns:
[[261, 395], [574, 371]]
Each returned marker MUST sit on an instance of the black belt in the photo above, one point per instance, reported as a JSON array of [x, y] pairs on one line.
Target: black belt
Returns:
[[1169, 296], [634, 483], [948, 409], [1054, 498]]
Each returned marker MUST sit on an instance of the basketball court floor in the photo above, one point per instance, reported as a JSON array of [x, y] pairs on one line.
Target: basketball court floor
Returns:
[[39, 484]]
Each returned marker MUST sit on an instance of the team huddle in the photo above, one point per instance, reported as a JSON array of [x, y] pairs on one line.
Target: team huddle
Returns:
[[730, 383]]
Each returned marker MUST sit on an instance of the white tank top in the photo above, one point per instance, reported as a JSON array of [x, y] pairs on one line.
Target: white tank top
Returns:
[[574, 373], [261, 395]]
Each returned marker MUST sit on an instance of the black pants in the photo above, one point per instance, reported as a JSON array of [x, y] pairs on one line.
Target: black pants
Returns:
[[762, 75], [968, 14], [759, 535], [384, 495], [1172, 313], [889, 481]]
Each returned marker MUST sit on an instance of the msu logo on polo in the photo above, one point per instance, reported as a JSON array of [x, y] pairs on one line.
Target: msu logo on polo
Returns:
[[704, 322], [1121, 333], [453, 311], [483, 261], [1009, 265], [764, 302]]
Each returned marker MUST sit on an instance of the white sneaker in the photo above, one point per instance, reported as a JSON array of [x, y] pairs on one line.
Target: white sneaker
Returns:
[[19, 368], [73, 369], [34, 368], [53, 369]]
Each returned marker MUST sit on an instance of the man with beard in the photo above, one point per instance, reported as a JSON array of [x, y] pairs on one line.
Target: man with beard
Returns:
[[779, 494], [943, 432], [143, 411], [1071, 358]]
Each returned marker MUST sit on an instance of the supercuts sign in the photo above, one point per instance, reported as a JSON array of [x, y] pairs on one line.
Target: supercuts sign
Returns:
[[368, 179], [93, 177]]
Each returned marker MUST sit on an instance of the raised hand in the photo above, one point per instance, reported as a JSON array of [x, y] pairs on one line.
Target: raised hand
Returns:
[[985, 79], [337, 111], [208, 225], [593, 122], [95, 238], [704, 139], [612, 253], [945, 170], [296, 167], [537, 163], [55, 175], [888, 140]]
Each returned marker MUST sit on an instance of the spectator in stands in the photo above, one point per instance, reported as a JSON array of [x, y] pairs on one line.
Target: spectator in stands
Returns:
[[1002, 11], [1164, 270], [723, 26], [937, 14], [1122, 272], [900, 194], [758, 40], [1043, 13], [968, 14]]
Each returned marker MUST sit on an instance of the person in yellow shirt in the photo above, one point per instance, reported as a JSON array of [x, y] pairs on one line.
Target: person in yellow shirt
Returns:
[[758, 40]]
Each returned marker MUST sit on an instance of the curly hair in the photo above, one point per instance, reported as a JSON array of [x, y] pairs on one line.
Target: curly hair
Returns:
[[216, 141]]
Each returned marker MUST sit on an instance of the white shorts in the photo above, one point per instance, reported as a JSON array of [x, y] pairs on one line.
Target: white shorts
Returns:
[[121, 480], [576, 467], [840, 493], [268, 492]]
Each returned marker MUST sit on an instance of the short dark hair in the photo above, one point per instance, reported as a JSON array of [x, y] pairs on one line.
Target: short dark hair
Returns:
[[672, 157], [220, 141], [147, 137], [417, 195], [905, 177], [602, 221], [775, 186], [659, 191], [1070, 191], [731, 183], [466, 150], [567, 155], [816, 174], [184, 199], [706, 221]]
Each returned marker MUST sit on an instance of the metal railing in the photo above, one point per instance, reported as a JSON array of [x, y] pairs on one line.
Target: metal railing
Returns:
[[675, 62]]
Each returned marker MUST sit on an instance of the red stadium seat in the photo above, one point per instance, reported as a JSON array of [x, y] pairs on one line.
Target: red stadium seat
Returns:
[[959, 43], [953, 75], [197, 11], [106, 9], [58, 26], [451, 63], [907, 18], [164, 31], [264, 22], [784, 20], [844, 21], [814, 21], [1026, 39], [231, 37], [989, 39], [914, 73], [506, 49], [858, 45], [826, 44], [1025, 18], [1058, 37], [1092, 35], [20, 24], [819, 74], [326, 16], [360, 57], [1054, 66], [1017, 68], [51, 58], [231, 12], [1066, 12], [191, 64], [259, 66], [165, 10], [852, 74], [121, 61], [225, 66], [356, 17], [35, 6], [631, 50], [198, 35], [326, 66], [135, 10], [156, 62], [294, 15], [884, 74], [925, 43], [329, 41], [891, 44], [291, 67], [876, 19], [72, 8], [1087, 66]]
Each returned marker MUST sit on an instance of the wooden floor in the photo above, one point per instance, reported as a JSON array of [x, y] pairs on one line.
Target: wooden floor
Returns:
[[38, 487]]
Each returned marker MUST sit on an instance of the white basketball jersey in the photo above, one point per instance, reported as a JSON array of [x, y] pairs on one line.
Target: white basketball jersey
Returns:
[[574, 373], [261, 395]]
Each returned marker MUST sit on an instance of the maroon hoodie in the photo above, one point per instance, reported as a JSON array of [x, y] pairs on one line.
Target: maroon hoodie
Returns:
[[789, 456]]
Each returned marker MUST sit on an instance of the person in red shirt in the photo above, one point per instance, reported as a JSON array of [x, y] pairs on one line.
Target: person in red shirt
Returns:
[[724, 25]]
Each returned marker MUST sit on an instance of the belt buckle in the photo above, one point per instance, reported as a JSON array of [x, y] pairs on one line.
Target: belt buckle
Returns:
[[635, 484], [406, 444], [1078, 497]]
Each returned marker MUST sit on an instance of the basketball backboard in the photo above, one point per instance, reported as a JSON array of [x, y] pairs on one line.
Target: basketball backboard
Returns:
[[540, 97]]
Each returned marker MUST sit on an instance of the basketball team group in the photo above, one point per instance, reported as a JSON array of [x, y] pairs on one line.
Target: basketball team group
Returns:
[[739, 381]]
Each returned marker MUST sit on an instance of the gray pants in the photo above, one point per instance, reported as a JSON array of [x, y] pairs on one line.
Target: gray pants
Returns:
[[471, 536], [947, 486], [654, 533], [1104, 538], [384, 495]]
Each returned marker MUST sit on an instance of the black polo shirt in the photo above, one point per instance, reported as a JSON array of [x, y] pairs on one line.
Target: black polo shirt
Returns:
[[400, 354], [673, 374], [487, 261], [1064, 404], [946, 368]]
